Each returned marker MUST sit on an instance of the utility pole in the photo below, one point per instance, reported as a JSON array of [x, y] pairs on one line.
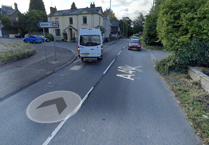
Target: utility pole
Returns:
[[153, 6]]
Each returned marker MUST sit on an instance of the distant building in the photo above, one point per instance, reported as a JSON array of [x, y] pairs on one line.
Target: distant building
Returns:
[[115, 29], [72, 20], [10, 12], [107, 25]]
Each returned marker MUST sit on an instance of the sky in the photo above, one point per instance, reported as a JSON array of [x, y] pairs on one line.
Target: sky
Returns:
[[121, 8]]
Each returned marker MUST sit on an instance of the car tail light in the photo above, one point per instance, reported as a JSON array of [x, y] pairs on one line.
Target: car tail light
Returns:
[[36, 38], [100, 57], [101, 49]]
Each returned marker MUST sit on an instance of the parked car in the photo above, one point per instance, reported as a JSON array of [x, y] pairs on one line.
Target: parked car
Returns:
[[26, 36], [43, 39], [33, 39], [18, 35], [135, 44]]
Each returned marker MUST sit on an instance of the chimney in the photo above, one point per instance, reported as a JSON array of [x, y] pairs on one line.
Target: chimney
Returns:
[[15, 6], [53, 9], [93, 5]]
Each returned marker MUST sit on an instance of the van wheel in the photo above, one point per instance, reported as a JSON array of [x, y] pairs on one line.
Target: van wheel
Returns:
[[34, 41]]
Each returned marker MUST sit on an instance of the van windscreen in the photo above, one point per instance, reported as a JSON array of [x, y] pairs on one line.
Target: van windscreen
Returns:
[[90, 40]]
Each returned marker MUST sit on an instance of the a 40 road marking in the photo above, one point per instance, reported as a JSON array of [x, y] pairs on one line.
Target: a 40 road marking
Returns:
[[129, 71]]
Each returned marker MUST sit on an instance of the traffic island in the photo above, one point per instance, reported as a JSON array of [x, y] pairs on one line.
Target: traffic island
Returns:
[[18, 75]]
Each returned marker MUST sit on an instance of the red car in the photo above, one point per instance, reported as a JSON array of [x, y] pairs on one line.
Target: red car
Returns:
[[135, 44]]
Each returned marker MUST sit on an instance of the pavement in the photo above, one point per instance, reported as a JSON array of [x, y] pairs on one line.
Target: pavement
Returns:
[[20, 74]]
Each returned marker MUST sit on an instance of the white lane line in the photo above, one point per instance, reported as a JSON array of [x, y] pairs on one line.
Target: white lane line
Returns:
[[108, 67], [152, 54], [66, 118], [119, 52]]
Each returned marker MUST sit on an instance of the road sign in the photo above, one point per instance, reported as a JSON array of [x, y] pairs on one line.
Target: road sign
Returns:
[[53, 107], [52, 24]]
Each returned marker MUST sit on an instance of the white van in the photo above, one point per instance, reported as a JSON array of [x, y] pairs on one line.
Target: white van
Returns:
[[90, 45]]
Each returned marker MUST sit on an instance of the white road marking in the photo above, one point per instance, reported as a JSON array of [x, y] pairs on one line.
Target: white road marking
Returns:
[[129, 71], [119, 52], [126, 76], [108, 67], [66, 118], [152, 54]]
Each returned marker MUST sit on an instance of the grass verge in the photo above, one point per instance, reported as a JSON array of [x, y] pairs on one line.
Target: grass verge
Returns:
[[12, 51], [194, 101]]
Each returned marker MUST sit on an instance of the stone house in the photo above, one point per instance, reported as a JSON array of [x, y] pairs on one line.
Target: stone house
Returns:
[[72, 20]]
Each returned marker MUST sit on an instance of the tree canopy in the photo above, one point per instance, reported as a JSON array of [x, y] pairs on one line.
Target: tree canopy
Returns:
[[138, 23], [29, 22], [110, 14], [150, 34], [37, 5], [73, 6], [181, 20]]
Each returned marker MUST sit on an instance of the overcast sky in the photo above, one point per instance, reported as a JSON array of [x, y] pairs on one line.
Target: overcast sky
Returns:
[[121, 8]]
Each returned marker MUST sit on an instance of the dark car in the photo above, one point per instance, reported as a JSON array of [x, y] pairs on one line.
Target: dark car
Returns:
[[33, 39], [43, 39], [18, 35], [135, 44]]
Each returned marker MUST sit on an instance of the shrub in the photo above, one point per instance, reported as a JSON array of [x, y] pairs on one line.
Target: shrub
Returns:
[[50, 37], [15, 50], [195, 54], [180, 20]]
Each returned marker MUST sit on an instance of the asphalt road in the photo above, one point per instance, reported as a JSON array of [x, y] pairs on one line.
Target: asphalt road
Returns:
[[129, 104]]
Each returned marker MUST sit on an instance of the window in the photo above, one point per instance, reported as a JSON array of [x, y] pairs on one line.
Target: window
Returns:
[[90, 40], [57, 31], [99, 20], [84, 20], [71, 20], [57, 19]]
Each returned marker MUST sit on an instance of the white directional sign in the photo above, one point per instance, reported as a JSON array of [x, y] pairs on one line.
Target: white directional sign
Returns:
[[53, 24], [129, 72]]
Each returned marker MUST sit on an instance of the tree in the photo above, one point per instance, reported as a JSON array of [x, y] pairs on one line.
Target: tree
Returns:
[[138, 23], [6, 22], [125, 26], [110, 14], [29, 22], [150, 34], [73, 6], [179, 21], [36, 5]]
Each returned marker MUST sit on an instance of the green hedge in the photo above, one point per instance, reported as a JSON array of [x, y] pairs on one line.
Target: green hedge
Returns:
[[50, 37], [194, 54]]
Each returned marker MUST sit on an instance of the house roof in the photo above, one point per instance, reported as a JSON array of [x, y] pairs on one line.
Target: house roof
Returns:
[[8, 11], [76, 11], [115, 23]]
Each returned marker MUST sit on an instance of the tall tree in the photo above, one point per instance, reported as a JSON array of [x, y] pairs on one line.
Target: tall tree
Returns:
[[73, 6], [37, 5], [29, 22], [138, 23], [150, 35], [110, 14]]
